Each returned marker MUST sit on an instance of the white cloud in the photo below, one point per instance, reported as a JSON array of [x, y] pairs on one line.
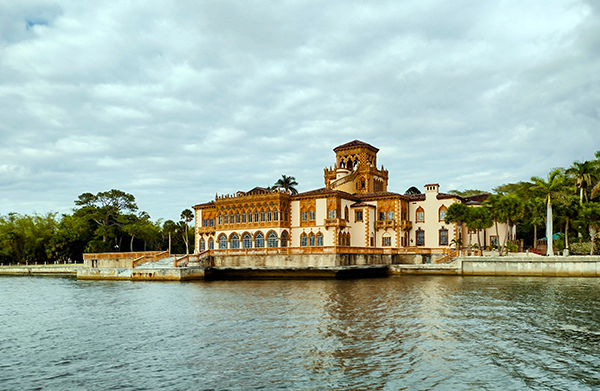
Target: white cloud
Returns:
[[174, 102]]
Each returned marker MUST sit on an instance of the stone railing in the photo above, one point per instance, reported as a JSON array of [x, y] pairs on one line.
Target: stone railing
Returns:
[[384, 224], [335, 223]]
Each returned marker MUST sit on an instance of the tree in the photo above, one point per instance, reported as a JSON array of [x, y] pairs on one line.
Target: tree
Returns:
[[568, 208], [584, 175], [137, 226], [107, 209], [467, 192], [169, 227], [534, 212], [479, 219], [547, 188], [457, 213], [287, 183], [512, 210], [590, 216], [494, 205], [186, 216]]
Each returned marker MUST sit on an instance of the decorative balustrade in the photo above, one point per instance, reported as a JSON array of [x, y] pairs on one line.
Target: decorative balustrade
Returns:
[[335, 223], [384, 224]]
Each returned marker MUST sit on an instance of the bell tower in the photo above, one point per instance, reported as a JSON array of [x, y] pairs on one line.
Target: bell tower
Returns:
[[355, 169]]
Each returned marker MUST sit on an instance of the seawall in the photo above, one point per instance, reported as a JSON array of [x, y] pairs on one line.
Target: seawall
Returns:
[[40, 270], [573, 266]]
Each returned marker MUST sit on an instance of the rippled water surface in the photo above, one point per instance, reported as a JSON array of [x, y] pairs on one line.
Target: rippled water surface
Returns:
[[414, 333]]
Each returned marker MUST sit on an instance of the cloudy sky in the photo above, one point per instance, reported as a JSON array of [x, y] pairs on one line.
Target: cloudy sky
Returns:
[[174, 102]]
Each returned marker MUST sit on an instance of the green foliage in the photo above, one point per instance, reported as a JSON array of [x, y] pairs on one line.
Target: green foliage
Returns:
[[468, 192], [287, 183]]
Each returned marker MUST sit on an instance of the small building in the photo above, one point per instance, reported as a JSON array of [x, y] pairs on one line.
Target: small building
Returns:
[[354, 219]]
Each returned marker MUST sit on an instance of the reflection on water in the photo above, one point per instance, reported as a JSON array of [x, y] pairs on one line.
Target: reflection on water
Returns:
[[410, 332]]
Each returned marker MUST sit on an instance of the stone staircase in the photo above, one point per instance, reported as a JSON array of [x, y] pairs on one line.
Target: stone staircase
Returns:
[[164, 263]]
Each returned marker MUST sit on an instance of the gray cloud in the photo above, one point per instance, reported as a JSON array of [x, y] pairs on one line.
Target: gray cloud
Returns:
[[176, 102]]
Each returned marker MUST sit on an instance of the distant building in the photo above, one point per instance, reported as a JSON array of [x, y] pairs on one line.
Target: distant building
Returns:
[[353, 214]]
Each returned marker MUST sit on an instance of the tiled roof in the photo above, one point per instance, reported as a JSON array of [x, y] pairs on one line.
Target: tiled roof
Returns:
[[361, 204], [257, 190], [203, 205], [477, 199], [355, 143], [440, 196], [380, 194], [325, 191]]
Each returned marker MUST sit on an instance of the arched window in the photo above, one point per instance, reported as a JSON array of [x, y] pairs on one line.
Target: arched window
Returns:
[[256, 216], [243, 217], [276, 215], [442, 212], [220, 219], [222, 241], [247, 240], [262, 215], [226, 219], [272, 239], [319, 239], [231, 218], [346, 213], [269, 215], [311, 239], [348, 239], [349, 164], [284, 239], [303, 241], [420, 215], [259, 240], [237, 217], [202, 245], [211, 244], [234, 239]]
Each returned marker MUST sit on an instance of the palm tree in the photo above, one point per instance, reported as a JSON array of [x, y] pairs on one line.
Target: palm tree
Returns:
[[287, 183], [547, 188], [479, 219], [584, 174], [186, 216], [590, 216]]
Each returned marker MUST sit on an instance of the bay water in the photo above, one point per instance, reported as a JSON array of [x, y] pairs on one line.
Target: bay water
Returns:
[[397, 333]]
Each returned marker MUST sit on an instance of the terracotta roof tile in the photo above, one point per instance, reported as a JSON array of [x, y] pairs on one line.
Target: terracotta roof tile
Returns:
[[380, 194], [325, 191], [355, 143]]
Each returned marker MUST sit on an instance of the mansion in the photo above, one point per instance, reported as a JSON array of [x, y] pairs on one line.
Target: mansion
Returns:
[[353, 214]]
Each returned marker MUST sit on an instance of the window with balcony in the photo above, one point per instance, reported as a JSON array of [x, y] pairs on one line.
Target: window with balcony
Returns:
[[311, 215], [381, 215], [390, 215], [304, 216]]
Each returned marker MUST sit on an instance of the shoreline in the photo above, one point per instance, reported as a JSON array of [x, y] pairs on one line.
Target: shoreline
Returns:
[[558, 266]]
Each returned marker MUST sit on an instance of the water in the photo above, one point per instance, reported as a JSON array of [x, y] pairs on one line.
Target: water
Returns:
[[413, 332]]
